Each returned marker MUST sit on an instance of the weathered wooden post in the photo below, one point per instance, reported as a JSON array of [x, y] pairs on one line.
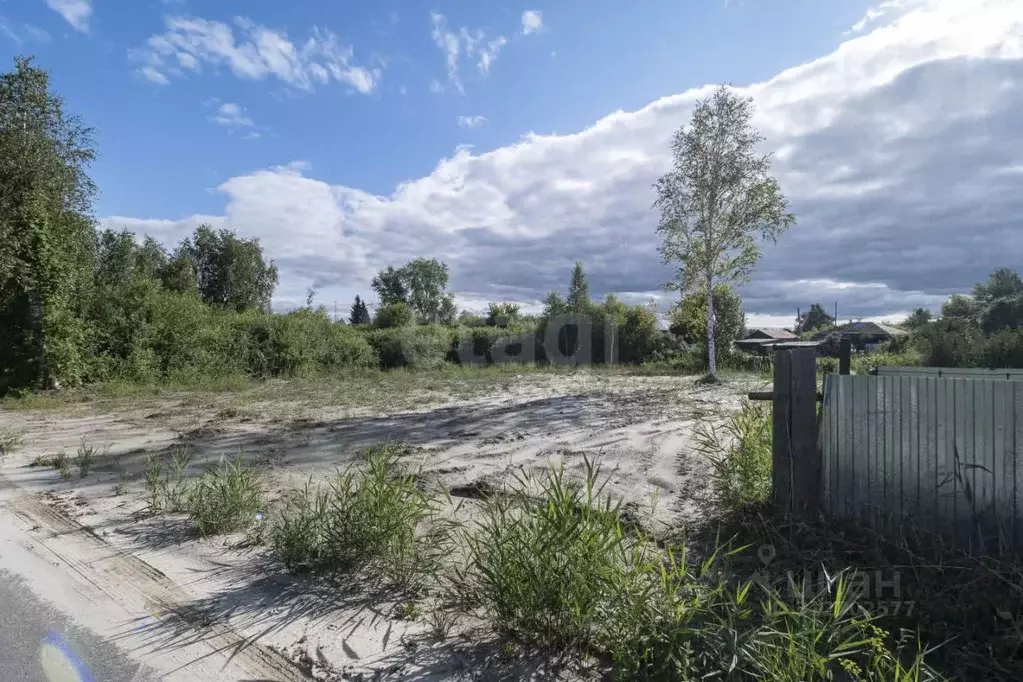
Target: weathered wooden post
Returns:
[[845, 356], [795, 458]]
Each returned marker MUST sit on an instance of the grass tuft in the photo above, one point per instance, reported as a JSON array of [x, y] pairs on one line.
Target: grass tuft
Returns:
[[10, 441], [369, 516], [84, 458], [740, 453], [165, 480], [226, 498]]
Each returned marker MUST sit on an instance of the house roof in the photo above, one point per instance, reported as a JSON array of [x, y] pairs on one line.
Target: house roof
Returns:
[[769, 333], [869, 329]]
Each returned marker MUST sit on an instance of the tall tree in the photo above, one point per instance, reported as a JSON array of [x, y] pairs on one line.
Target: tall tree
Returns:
[[1000, 301], [360, 314], [815, 318], [231, 272], [553, 306], [47, 240], [578, 292], [420, 283], [961, 309], [689, 317], [918, 318], [390, 286], [716, 199]]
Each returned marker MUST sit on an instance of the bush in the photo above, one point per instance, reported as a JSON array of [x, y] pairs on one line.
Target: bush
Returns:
[[416, 346], [740, 452], [393, 315], [373, 516], [225, 499]]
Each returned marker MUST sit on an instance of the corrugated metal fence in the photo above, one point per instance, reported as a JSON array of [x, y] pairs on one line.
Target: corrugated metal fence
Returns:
[[928, 453]]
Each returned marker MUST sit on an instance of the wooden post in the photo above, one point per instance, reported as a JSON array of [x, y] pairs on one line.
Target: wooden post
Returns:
[[845, 356], [795, 454]]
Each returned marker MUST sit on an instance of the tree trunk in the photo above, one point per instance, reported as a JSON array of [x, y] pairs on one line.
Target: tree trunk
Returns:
[[712, 365]]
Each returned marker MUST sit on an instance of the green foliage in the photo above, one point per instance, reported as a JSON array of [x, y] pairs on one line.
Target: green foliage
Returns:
[[917, 319], [578, 300], [740, 452], [47, 242], [373, 515], [226, 498], [961, 309], [418, 346], [231, 272], [689, 318], [166, 481], [10, 440], [717, 198], [421, 284], [814, 319], [554, 306], [391, 315], [360, 314], [502, 314]]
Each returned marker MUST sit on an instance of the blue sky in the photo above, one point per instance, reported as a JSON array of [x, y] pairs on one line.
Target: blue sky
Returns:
[[333, 131]]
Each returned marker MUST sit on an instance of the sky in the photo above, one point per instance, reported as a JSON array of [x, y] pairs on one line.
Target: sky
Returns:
[[511, 140]]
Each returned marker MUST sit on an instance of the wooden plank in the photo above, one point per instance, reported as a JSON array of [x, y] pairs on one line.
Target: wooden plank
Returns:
[[875, 484], [844, 356], [1017, 462], [780, 440], [889, 385], [805, 456], [860, 451], [944, 432], [844, 458], [827, 442], [1002, 469]]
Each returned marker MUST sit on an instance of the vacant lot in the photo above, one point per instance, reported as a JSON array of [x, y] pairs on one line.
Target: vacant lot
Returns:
[[83, 465]]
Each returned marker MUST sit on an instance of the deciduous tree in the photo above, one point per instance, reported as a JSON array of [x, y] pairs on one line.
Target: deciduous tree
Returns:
[[716, 199]]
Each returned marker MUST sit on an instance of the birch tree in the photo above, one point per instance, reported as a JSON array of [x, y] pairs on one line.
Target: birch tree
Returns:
[[716, 200]]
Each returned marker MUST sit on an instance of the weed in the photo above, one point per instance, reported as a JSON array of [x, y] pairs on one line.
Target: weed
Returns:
[[226, 498], [740, 453], [542, 570], [166, 484], [10, 440], [410, 611], [123, 479], [372, 516], [85, 458], [61, 463]]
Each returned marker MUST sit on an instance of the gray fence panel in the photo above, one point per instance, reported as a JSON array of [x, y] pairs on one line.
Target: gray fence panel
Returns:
[[940, 454], [952, 372]]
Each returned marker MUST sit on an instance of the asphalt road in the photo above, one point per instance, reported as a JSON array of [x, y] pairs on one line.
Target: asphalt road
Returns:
[[40, 644]]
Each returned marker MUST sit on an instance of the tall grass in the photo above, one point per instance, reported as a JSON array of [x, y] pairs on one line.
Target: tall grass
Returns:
[[226, 498], [740, 453], [10, 440], [370, 516], [166, 481]]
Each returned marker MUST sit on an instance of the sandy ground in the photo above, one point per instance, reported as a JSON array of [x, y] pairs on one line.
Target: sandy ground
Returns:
[[214, 609]]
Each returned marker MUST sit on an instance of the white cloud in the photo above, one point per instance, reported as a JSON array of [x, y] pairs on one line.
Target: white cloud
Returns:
[[75, 12], [232, 116], [253, 52], [899, 152], [532, 21], [471, 121], [24, 33], [462, 44]]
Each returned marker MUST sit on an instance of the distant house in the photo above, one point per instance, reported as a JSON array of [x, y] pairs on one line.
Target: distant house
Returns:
[[759, 340], [864, 336]]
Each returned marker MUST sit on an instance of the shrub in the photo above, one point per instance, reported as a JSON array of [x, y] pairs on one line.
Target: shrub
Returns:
[[417, 346], [373, 516], [226, 498], [740, 452], [398, 314]]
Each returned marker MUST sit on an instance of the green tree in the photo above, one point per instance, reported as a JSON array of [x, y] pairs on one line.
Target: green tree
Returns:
[[360, 314], [178, 275], [420, 283], [502, 314], [231, 272], [917, 319], [397, 314], [1000, 301], [716, 199], [579, 292], [390, 286], [689, 318], [47, 239], [553, 306], [814, 319], [961, 309]]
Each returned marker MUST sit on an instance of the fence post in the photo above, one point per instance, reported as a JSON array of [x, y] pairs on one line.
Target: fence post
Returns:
[[844, 356], [795, 455]]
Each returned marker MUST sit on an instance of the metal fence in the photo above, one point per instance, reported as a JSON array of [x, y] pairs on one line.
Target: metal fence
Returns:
[[943, 372], [937, 454]]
